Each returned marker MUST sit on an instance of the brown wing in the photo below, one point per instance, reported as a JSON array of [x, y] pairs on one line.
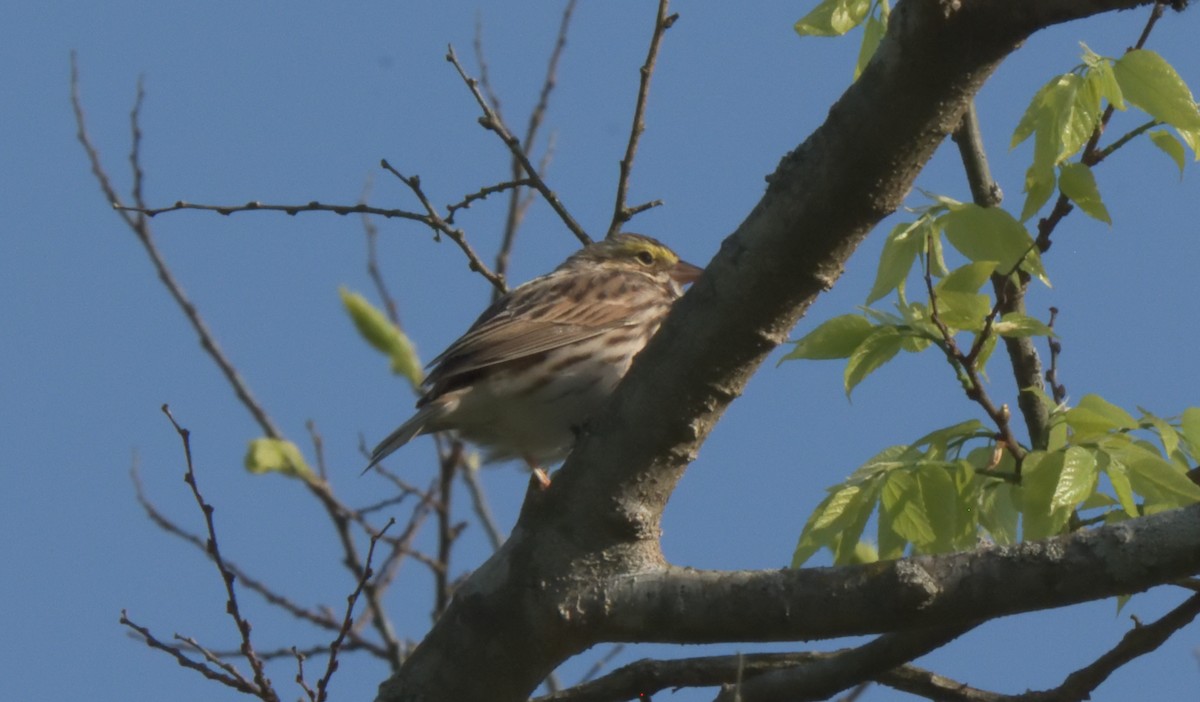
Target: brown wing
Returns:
[[518, 326]]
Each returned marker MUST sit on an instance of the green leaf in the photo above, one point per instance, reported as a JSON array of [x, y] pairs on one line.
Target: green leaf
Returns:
[[833, 18], [941, 506], [969, 278], [1095, 415], [1017, 325], [872, 33], [843, 506], [877, 349], [1080, 118], [1159, 481], [1039, 483], [1079, 184], [855, 519], [1039, 186], [267, 455], [1191, 137], [997, 512], [1189, 425], [991, 234], [1029, 121], [1100, 74], [834, 338], [1077, 480], [1166, 433], [1171, 146], [903, 509], [1148, 81], [959, 310], [899, 253], [953, 434], [380, 333], [1118, 476]]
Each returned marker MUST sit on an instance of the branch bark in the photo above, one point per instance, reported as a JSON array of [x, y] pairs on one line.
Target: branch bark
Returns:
[[594, 533]]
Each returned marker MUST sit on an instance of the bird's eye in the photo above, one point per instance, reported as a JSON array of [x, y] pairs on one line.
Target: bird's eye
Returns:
[[645, 257]]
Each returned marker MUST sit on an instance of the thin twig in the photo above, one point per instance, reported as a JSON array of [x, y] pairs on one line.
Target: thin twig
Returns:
[[237, 682], [1091, 154], [621, 212], [140, 227], [1142, 639], [436, 222], [965, 364], [518, 203], [371, 232], [492, 122], [261, 682], [348, 620], [256, 206]]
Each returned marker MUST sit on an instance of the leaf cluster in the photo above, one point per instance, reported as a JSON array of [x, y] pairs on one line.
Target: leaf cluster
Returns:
[[948, 490]]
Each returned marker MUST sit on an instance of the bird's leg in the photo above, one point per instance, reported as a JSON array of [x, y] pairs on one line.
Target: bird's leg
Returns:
[[539, 474]]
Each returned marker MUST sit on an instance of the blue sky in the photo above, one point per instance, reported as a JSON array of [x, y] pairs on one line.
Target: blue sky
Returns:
[[291, 102]]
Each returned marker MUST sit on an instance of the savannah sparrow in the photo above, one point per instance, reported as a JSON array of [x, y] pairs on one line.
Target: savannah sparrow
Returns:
[[543, 358]]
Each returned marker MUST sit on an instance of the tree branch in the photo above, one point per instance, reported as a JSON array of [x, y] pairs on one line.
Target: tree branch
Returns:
[[534, 602]]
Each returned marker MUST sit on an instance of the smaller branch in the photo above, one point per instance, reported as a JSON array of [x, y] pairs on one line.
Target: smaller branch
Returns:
[[1138, 641], [308, 691], [513, 186], [433, 220], [925, 683], [518, 204], [318, 445], [964, 364], [256, 206], [373, 272], [141, 229], [622, 213], [1091, 156], [1010, 294], [448, 532], [1122, 141], [828, 675], [1058, 390], [261, 682], [236, 681], [348, 619], [492, 122]]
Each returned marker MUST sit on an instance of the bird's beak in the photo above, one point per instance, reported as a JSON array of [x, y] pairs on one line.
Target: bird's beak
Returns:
[[685, 273]]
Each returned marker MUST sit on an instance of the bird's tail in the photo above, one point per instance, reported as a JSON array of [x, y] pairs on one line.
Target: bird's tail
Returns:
[[403, 434]]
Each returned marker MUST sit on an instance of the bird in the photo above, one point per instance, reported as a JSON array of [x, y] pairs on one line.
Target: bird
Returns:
[[544, 357]]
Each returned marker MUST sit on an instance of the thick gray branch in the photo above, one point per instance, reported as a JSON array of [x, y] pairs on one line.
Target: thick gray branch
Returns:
[[681, 605]]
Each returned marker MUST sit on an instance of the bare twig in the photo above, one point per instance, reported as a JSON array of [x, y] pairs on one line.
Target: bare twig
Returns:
[[261, 682], [1142, 639], [256, 206], [518, 203], [492, 122], [436, 222], [140, 227], [237, 682], [448, 531], [247, 581], [621, 212], [371, 231], [348, 620]]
